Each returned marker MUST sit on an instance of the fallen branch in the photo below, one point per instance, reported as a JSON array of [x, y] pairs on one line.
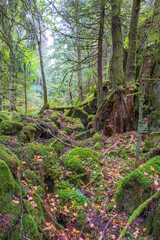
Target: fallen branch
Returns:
[[107, 225], [138, 212], [108, 149], [66, 144]]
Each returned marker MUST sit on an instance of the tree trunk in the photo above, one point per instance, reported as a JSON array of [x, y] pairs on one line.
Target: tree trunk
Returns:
[[12, 75], [79, 52], [116, 71], [39, 41], [100, 41], [132, 47], [25, 88]]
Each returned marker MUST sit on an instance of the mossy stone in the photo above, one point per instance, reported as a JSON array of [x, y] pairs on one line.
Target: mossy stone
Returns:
[[135, 188], [78, 113], [30, 131], [7, 183], [154, 124], [11, 160], [10, 127], [152, 141]]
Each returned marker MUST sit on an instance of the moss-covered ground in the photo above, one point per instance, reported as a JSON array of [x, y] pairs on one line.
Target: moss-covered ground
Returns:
[[58, 187]]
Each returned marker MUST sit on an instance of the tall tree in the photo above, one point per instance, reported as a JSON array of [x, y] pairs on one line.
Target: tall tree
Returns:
[[100, 51], [132, 47], [116, 70], [38, 33]]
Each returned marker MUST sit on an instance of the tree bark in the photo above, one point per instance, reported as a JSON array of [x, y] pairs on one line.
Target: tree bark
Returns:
[[132, 46], [116, 70], [79, 52], [39, 41], [100, 54], [25, 88], [12, 75]]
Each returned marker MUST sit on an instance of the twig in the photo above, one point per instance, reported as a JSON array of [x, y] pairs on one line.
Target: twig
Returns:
[[107, 225], [110, 148]]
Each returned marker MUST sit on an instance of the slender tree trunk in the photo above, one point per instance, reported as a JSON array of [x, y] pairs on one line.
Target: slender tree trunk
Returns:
[[141, 99], [116, 71], [79, 51], [12, 75], [132, 47], [25, 88], [39, 41], [100, 54]]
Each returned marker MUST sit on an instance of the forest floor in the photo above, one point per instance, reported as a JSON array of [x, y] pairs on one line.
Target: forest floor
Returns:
[[102, 219]]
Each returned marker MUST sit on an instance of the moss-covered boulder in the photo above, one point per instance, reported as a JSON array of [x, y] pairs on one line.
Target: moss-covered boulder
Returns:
[[10, 127], [10, 159], [3, 117], [153, 141], [78, 113], [30, 131], [42, 161], [83, 166], [136, 187], [7, 183], [154, 124]]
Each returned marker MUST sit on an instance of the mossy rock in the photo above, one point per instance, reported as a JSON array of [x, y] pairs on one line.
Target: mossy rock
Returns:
[[38, 157], [30, 131], [7, 183], [152, 141], [78, 113], [152, 153], [154, 124], [58, 146], [72, 120], [10, 127], [85, 154], [11, 160], [22, 136], [96, 137], [83, 165], [3, 117], [135, 188]]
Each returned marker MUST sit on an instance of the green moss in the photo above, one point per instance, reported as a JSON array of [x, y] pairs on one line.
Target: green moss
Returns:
[[3, 117], [152, 141], [84, 135], [67, 193], [90, 117], [59, 147], [135, 188], [83, 165], [96, 137], [21, 136], [10, 128], [7, 183], [11, 160], [85, 154], [30, 131], [156, 222], [38, 157], [154, 121], [97, 146], [78, 113]]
